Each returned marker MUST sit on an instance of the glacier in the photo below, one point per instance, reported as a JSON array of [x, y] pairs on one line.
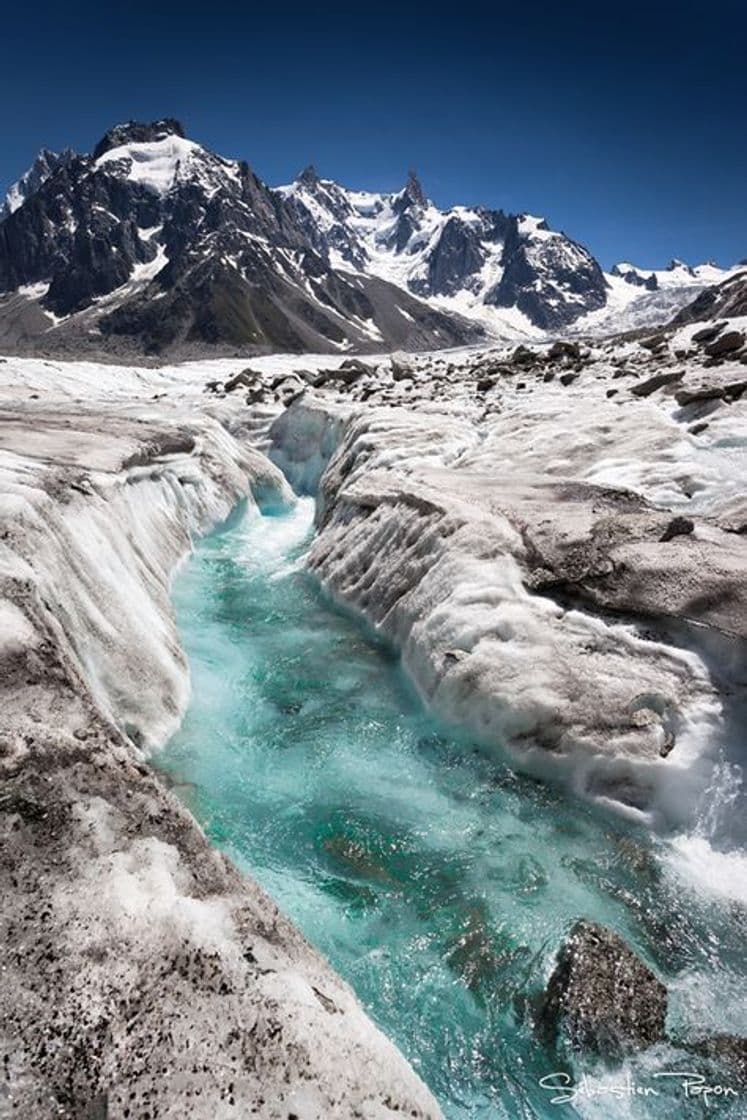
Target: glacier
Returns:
[[139, 947], [551, 539]]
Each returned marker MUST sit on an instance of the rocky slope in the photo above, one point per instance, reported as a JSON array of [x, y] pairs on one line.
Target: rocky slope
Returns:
[[726, 299]]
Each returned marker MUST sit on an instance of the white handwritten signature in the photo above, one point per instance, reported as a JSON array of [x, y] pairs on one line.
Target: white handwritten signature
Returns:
[[688, 1083]]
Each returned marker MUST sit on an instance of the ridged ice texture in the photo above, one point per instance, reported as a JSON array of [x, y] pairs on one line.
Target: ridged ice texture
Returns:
[[429, 558], [142, 974]]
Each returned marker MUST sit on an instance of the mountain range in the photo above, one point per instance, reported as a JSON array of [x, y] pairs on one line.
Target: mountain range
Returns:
[[152, 243]]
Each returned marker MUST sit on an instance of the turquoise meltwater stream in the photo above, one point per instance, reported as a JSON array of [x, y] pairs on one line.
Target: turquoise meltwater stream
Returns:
[[439, 883]]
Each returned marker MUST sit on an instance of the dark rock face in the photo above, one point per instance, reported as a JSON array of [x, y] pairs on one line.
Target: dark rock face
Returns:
[[725, 344], [137, 132], [412, 195], [707, 334], [602, 997], [725, 300], [658, 381], [552, 279], [630, 276], [456, 256]]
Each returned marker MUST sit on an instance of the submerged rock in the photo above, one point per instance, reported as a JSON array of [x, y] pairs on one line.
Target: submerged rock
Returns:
[[601, 997], [729, 1051]]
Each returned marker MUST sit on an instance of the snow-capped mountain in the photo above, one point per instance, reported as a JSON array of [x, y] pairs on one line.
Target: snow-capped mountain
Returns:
[[506, 270], [638, 297], [154, 242]]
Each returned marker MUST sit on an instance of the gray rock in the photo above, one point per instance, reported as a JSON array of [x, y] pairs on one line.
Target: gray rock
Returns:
[[725, 344], [707, 334], [678, 527], [654, 343], [727, 1050], [601, 997], [727, 390], [646, 388], [245, 379]]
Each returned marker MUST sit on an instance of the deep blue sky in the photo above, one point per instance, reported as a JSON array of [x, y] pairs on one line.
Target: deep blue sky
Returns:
[[624, 124]]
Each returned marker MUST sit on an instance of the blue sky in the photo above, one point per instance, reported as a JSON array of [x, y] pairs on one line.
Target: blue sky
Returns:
[[623, 124]]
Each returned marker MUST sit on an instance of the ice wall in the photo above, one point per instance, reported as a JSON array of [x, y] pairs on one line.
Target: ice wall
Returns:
[[143, 974]]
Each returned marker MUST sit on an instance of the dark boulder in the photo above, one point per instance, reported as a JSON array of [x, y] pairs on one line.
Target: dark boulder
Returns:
[[729, 391], [725, 344], [677, 527], [707, 334], [646, 388], [561, 350], [654, 343], [351, 369], [523, 356], [243, 380], [601, 997]]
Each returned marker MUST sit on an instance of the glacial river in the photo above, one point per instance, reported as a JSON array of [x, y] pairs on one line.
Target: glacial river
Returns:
[[437, 881]]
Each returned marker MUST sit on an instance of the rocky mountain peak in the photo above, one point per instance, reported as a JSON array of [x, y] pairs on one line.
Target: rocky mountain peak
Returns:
[[138, 132], [675, 264], [45, 164], [309, 176], [412, 194]]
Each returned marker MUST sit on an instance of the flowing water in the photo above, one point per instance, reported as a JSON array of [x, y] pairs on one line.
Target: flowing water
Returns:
[[439, 883]]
